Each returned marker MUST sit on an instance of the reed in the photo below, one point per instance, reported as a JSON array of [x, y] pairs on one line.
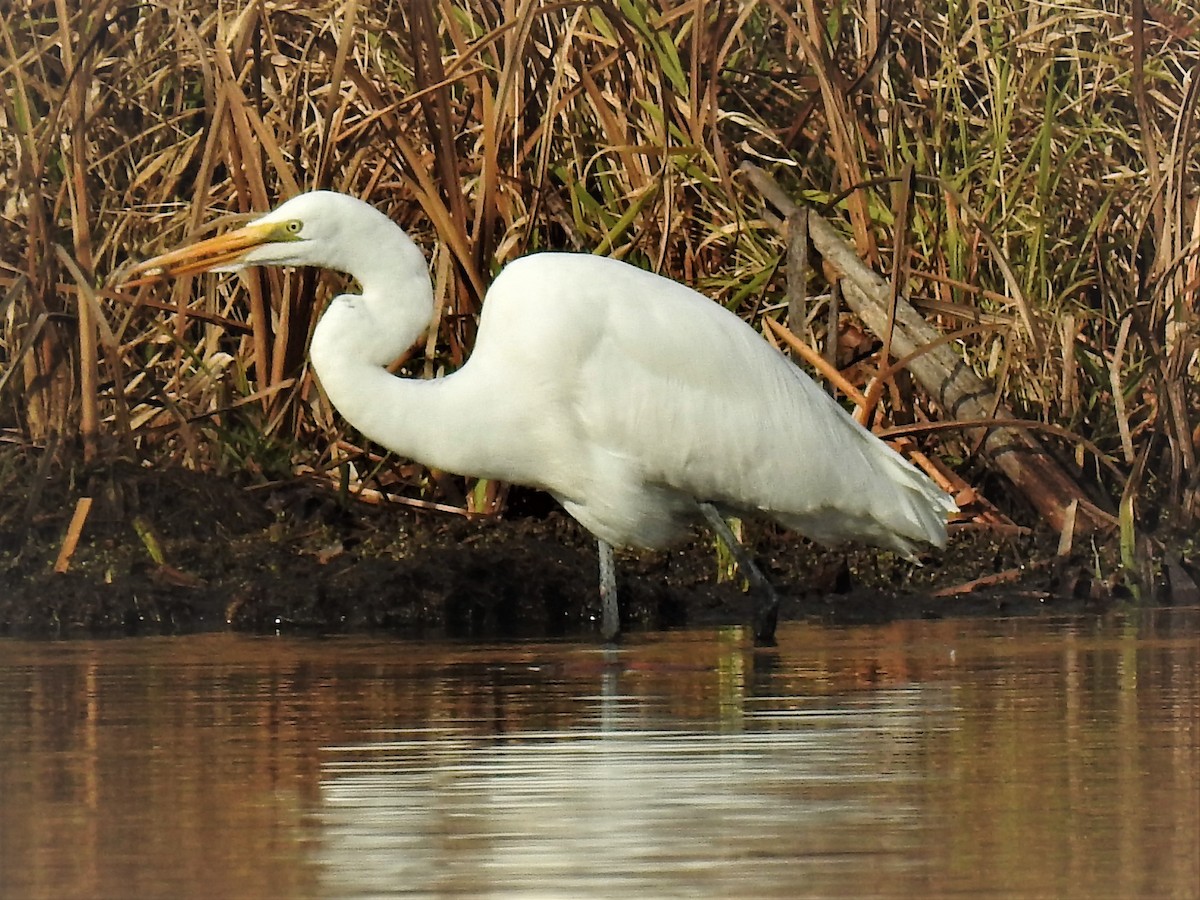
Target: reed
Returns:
[[1050, 218]]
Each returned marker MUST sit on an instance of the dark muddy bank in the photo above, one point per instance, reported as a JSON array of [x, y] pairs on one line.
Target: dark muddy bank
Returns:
[[295, 558]]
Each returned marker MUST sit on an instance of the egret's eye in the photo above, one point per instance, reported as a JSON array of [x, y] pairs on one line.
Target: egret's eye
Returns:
[[294, 226]]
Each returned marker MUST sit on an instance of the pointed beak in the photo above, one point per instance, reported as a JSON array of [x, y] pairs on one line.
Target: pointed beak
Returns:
[[224, 251]]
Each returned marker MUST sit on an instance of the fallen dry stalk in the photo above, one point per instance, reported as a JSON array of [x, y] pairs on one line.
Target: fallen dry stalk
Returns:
[[818, 362], [1008, 576]]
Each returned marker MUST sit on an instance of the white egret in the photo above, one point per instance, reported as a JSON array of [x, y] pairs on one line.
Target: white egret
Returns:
[[642, 406]]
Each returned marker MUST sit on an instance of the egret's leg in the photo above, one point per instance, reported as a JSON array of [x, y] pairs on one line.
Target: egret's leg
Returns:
[[610, 616], [766, 612]]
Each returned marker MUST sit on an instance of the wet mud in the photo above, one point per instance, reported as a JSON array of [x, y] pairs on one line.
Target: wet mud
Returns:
[[170, 551]]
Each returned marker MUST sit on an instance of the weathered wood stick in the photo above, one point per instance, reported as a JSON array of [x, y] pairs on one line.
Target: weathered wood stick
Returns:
[[943, 374], [74, 530]]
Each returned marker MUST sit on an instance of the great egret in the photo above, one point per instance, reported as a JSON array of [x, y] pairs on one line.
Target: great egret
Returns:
[[639, 404]]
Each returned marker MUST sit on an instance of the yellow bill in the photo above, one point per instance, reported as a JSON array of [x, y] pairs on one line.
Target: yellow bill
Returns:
[[226, 251]]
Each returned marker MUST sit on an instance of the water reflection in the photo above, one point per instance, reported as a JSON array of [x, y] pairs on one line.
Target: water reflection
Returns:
[[623, 803], [1019, 757]]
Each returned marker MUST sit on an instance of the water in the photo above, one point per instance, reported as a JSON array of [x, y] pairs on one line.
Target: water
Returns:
[[1005, 758]]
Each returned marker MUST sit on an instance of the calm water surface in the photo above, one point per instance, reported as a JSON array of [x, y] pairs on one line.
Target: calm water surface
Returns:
[[1014, 758]]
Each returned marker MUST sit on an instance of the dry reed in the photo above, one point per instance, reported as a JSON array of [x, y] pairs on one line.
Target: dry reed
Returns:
[[1051, 216]]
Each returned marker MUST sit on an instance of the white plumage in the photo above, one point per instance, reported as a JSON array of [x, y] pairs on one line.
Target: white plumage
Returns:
[[629, 397]]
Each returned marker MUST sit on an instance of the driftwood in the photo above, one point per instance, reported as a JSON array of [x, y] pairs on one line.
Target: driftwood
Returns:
[[962, 394]]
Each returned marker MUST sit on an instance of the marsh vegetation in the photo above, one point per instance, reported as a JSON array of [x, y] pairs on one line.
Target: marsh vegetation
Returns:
[[1022, 175]]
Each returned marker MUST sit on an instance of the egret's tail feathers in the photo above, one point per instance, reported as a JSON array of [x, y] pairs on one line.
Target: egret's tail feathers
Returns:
[[899, 509], [916, 514]]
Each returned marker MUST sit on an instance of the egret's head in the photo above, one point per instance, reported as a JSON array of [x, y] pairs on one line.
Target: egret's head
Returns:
[[314, 229]]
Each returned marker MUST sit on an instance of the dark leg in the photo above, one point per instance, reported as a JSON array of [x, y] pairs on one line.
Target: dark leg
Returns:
[[610, 616], [766, 610]]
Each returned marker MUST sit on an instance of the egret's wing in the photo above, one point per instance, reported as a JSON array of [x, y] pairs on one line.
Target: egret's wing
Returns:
[[695, 401]]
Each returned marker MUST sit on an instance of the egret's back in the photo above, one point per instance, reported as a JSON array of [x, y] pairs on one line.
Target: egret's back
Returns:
[[662, 399]]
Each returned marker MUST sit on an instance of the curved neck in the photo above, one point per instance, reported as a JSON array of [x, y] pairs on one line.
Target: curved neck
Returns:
[[396, 304], [358, 336]]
